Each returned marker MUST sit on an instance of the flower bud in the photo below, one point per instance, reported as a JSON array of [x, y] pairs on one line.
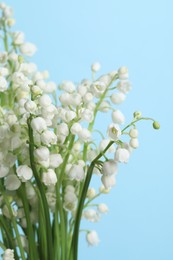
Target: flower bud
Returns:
[[137, 114], [134, 143], [133, 133], [102, 208], [123, 73], [103, 190], [91, 193], [95, 67], [156, 125], [118, 117]]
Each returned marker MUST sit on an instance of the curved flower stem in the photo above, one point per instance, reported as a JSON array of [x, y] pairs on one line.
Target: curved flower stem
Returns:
[[2, 246], [9, 235], [42, 193], [74, 244], [88, 202], [135, 121], [30, 233]]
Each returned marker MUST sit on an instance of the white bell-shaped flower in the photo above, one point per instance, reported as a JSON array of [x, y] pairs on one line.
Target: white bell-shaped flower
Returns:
[[133, 132], [118, 117], [4, 170], [108, 181], [12, 182], [114, 131], [134, 143], [118, 98], [95, 67], [109, 168], [102, 208], [55, 160], [45, 100], [3, 84], [42, 153], [38, 124], [49, 177], [18, 38], [8, 254], [122, 155], [24, 173], [76, 128], [123, 73], [28, 49], [92, 238], [48, 138]]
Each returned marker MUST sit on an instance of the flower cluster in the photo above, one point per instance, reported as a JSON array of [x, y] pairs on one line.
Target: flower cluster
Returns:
[[47, 150]]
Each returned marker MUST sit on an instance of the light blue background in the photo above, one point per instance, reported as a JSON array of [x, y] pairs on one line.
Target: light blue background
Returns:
[[70, 35]]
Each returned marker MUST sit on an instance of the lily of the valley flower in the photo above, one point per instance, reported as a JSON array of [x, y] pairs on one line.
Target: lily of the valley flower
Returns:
[[92, 238]]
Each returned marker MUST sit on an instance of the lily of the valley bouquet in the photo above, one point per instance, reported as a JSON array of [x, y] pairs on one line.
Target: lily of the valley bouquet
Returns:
[[48, 152]]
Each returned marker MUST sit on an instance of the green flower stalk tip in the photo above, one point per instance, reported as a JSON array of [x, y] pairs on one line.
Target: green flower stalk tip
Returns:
[[137, 114], [156, 125], [20, 59]]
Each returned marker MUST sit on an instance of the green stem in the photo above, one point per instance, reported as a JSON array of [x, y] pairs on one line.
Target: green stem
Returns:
[[42, 193], [30, 233], [56, 235], [62, 227], [135, 121], [2, 246], [9, 235], [13, 220], [74, 244]]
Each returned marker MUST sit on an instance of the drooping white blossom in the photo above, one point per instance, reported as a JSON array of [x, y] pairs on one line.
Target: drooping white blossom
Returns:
[[8, 254], [49, 177], [28, 49], [3, 84], [134, 143], [109, 168], [92, 238], [108, 181], [118, 117], [102, 208], [122, 155], [38, 124], [12, 182], [24, 172], [133, 132]]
